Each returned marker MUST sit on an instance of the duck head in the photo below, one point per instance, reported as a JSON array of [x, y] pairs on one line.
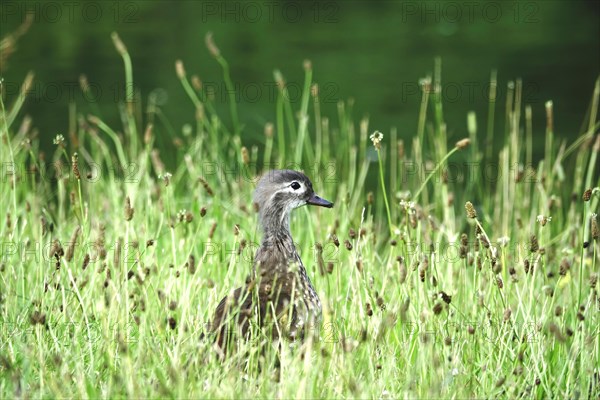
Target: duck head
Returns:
[[278, 192]]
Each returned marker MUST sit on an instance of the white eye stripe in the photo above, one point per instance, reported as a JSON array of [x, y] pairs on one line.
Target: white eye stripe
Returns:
[[289, 189]]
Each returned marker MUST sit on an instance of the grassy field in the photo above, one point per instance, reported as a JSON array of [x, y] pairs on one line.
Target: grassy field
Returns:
[[446, 268]]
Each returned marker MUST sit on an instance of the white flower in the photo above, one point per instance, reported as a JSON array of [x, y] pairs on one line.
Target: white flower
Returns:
[[494, 251], [407, 205], [166, 177], [181, 215], [425, 83], [59, 139], [543, 220], [376, 138], [503, 241]]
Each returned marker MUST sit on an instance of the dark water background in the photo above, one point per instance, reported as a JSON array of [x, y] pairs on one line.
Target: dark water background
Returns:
[[374, 52]]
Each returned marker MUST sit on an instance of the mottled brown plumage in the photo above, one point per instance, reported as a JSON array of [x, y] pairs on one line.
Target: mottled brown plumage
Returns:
[[278, 279]]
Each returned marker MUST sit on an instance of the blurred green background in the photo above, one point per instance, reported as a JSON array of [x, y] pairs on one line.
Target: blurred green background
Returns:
[[374, 52]]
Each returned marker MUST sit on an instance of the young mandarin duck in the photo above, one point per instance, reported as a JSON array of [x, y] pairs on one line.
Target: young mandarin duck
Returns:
[[279, 290]]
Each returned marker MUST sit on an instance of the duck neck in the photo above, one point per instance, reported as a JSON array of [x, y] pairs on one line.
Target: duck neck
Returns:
[[277, 245], [275, 224], [277, 237]]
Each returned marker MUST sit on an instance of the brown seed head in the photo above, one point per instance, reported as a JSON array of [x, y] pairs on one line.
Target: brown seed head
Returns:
[[128, 209], [412, 219], [569, 331], [56, 250], [335, 240], [212, 230], [445, 297], [496, 266], [484, 241], [329, 267], [463, 143], [463, 251], [403, 271], [242, 246], [507, 314], [37, 318], [245, 155], [526, 266], [565, 266], [555, 330], [499, 282], [500, 381], [422, 274], [370, 198], [359, 265], [533, 244], [471, 213], [191, 264], [86, 261], [593, 280], [75, 166], [206, 186], [72, 243], [558, 311]]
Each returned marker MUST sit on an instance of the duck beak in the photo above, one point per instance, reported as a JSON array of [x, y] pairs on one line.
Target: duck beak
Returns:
[[315, 200]]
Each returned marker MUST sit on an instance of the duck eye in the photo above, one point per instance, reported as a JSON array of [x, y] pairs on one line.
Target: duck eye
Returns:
[[295, 185]]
